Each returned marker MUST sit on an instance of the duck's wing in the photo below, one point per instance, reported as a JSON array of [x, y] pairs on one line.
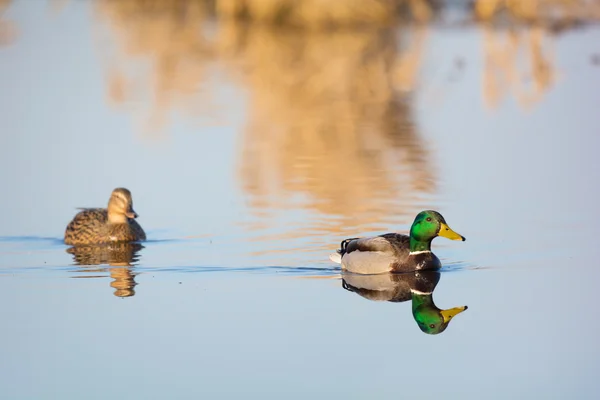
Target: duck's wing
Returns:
[[90, 215], [368, 244], [137, 229], [399, 244], [392, 243], [86, 224], [372, 254]]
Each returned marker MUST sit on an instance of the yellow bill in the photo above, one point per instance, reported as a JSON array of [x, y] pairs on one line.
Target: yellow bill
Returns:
[[448, 314], [446, 232]]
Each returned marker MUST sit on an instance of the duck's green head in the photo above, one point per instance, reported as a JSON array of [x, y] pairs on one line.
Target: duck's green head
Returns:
[[431, 319], [428, 225]]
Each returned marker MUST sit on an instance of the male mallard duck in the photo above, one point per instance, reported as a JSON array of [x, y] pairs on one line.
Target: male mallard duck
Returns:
[[101, 225], [394, 252]]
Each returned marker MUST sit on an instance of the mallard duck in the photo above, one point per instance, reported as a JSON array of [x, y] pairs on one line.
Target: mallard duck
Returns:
[[104, 225], [394, 252], [415, 286]]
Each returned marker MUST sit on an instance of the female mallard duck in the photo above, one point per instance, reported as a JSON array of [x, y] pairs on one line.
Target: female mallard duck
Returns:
[[103, 225], [393, 252]]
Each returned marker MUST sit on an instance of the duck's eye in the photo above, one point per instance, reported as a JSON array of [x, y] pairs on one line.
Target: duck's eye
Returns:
[[432, 326], [428, 219]]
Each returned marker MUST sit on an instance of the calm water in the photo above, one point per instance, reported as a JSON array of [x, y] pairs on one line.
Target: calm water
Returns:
[[250, 155]]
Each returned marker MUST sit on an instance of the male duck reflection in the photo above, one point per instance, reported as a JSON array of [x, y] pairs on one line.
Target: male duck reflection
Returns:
[[394, 252], [104, 225], [415, 286]]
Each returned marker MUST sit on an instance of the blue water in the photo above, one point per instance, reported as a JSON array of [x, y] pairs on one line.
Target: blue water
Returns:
[[244, 187]]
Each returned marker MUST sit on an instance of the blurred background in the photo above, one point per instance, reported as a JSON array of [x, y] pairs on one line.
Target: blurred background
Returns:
[[254, 136]]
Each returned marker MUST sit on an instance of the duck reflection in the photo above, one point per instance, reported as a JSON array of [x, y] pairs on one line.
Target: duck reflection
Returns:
[[417, 287], [119, 256]]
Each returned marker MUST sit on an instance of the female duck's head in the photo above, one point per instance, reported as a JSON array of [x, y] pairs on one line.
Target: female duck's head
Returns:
[[428, 225], [120, 206]]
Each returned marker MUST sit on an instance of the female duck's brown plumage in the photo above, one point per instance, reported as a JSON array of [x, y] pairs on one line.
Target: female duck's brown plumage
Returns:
[[104, 225]]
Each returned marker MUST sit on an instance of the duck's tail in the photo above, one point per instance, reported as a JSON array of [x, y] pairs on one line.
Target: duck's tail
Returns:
[[336, 257]]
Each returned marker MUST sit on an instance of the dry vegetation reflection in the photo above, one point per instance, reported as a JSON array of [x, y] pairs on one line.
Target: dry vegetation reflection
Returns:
[[329, 111], [328, 88], [518, 61], [8, 29], [167, 54], [326, 123]]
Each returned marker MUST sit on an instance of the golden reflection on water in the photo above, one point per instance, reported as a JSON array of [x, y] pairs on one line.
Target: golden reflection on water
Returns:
[[520, 61], [184, 46], [336, 132], [556, 13], [119, 256], [315, 14], [8, 30], [328, 87], [329, 112], [160, 59], [330, 127]]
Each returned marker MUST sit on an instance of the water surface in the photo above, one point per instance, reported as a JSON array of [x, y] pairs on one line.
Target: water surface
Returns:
[[251, 153]]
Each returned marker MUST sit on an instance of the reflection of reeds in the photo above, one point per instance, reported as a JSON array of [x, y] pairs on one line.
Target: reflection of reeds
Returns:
[[7, 28], [545, 12], [330, 127], [329, 110], [167, 50], [166, 35], [505, 71], [519, 59], [327, 122], [323, 13]]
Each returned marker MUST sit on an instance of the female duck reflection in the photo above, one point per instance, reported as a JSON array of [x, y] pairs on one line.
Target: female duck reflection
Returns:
[[120, 256], [415, 286]]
